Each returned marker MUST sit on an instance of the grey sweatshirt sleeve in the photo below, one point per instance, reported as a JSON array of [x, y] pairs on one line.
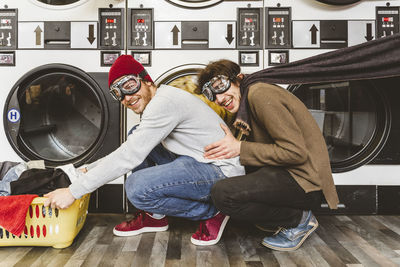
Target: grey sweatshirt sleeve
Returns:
[[158, 120]]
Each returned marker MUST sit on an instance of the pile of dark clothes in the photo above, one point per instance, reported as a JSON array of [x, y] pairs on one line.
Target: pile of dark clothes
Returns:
[[17, 179]]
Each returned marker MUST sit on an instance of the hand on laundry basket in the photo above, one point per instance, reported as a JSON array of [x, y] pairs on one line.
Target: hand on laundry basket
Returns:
[[227, 147], [60, 198]]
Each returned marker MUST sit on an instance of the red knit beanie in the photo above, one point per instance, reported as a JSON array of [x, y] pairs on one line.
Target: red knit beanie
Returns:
[[125, 65]]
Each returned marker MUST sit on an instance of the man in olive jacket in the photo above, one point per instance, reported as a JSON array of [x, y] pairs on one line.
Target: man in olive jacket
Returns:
[[285, 155]]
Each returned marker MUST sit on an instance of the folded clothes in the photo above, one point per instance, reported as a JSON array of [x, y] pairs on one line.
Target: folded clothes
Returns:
[[13, 211]]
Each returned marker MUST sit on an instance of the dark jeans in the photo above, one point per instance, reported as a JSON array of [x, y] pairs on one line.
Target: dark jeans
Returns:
[[268, 196]]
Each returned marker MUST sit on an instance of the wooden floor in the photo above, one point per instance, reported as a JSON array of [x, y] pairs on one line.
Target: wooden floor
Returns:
[[339, 241]]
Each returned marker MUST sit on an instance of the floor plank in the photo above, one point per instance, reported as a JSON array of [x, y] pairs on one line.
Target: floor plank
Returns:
[[339, 241], [29, 258], [86, 246], [370, 250], [142, 256], [113, 251], [188, 255], [328, 234], [159, 251], [15, 256]]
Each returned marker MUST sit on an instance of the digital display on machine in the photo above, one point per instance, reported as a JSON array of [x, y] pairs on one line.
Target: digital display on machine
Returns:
[[5, 21], [277, 19], [140, 20], [111, 20], [387, 19]]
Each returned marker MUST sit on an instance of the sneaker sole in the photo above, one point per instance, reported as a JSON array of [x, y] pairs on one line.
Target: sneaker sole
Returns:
[[140, 231], [211, 242], [298, 245]]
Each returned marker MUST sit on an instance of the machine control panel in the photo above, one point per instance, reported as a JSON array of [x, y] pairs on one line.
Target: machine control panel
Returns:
[[57, 34], [333, 33], [141, 29], [195, 34], [387, 21], [111, 28], [250, 28], [278, 25], [8, 29]]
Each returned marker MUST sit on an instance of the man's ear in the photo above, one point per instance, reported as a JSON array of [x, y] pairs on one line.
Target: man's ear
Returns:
[[241, 76], [147, 82]]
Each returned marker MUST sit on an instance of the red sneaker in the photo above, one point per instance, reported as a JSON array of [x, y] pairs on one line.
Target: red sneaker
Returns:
[[143, 222], [210, 231]]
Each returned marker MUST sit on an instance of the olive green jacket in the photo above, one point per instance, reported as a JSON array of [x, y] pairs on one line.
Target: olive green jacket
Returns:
[[284, 133]]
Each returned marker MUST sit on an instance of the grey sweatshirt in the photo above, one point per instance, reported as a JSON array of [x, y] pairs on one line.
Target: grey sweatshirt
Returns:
[[180, 121]]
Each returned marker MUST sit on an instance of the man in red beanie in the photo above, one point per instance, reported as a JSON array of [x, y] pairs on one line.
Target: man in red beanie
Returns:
[[169, 176]]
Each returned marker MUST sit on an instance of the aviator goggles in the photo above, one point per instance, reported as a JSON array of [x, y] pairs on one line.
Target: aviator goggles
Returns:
[[128, 85], [217, 85]]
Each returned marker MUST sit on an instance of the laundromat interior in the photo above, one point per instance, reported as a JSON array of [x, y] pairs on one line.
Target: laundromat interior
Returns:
[[55, 56]]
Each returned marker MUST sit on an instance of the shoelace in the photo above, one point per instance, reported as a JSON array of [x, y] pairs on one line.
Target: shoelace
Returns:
[[139, 215], [203, 229], [283, 230], [280, 229], [290, 235]]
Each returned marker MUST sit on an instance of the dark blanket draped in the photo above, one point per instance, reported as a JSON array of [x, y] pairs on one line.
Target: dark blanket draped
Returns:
[[370, 60]]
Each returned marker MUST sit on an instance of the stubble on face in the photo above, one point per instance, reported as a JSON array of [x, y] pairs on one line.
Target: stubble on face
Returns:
[[230, 100], [138, 101]]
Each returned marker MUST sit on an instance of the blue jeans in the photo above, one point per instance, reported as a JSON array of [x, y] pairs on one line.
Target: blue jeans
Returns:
[[173, 185]]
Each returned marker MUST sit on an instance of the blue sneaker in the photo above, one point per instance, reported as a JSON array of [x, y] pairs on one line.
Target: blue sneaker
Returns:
[[291, 239]]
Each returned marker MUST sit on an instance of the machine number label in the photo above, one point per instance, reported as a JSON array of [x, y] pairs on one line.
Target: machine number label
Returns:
[[13, 115]]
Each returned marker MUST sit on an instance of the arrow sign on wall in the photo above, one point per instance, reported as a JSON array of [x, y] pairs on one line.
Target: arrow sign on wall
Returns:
[[229, 37], [175, 31], [38, 32], [91, 37], [313, 31], [369, 36]]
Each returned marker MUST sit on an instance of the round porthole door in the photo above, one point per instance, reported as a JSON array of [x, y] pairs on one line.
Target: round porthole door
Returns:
[[59, 4], [339, 2], [185, 77], [194, 3], [56, 113], [353, 116]]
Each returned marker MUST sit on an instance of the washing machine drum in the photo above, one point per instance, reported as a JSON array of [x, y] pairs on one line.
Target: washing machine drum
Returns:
[[195, 4], [339, 2], [61, 112], [58, 2], [354, 117]]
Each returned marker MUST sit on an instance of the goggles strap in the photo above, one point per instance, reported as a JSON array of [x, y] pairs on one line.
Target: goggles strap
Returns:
[[143, 74]]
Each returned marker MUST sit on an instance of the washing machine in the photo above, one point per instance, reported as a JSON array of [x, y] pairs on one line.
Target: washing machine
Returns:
[[359, 119], [54, 62]]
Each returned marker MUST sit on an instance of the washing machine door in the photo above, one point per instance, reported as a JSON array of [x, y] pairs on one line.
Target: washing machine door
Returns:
[[185, 77], [353, 116], [58, 3], [339, 2], [56, 113], [194, 3]]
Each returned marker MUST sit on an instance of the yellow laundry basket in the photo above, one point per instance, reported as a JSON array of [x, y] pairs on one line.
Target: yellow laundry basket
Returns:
[[45, 226]]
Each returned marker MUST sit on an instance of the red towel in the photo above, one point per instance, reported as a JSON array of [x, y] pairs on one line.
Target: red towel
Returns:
[[13, 211]]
